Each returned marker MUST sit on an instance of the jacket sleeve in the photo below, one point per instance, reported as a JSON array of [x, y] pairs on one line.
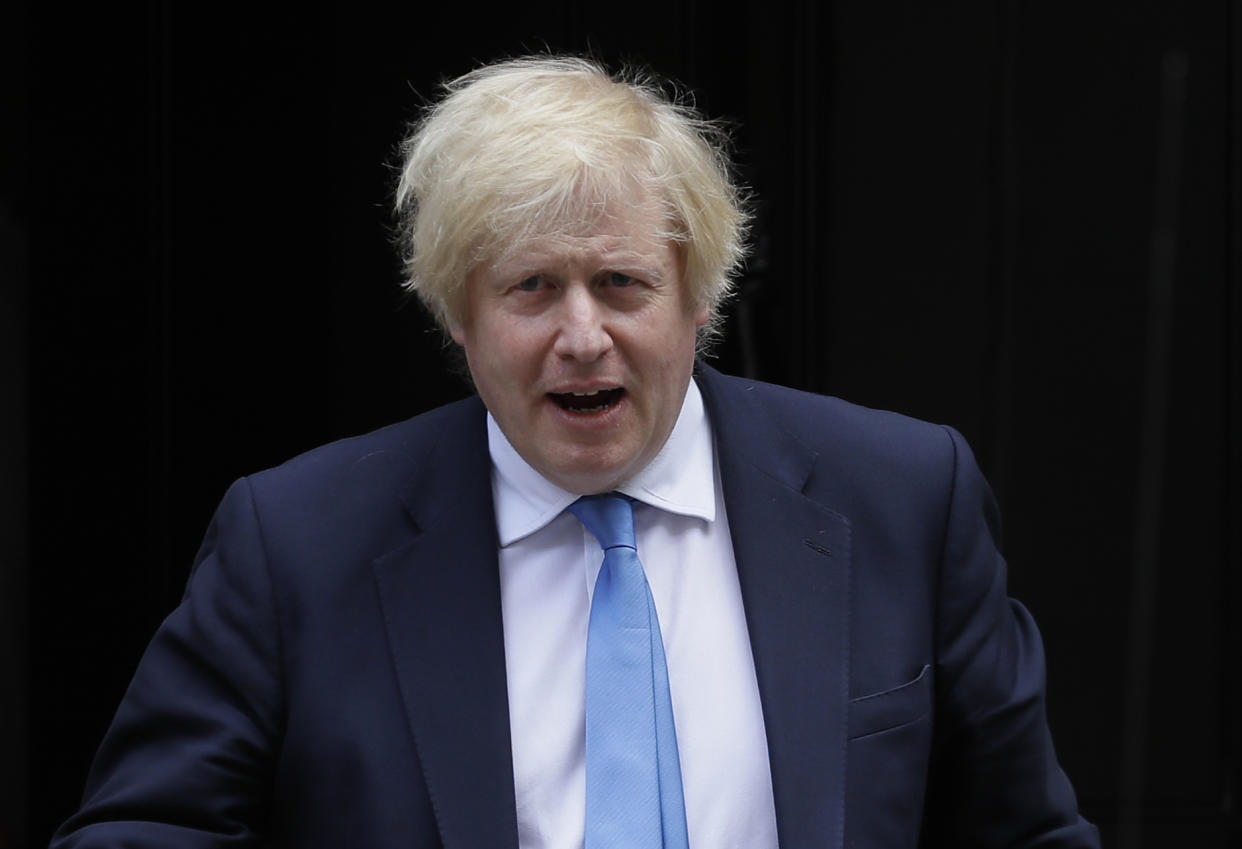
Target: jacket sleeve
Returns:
[[189, 758], [995, 780]]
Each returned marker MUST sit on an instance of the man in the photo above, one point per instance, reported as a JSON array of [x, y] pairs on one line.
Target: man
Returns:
[[404, 639]]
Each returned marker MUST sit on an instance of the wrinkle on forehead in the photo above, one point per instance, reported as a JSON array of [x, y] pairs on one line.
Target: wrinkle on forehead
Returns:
[[594, 211]]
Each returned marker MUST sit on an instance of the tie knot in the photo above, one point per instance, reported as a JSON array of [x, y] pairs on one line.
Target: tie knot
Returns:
[[609, 518]]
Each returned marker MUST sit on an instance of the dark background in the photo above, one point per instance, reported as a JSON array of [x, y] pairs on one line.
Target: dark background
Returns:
[[1021, 219]]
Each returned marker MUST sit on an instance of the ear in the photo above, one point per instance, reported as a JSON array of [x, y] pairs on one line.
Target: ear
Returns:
[[455, 324], [702, 315]]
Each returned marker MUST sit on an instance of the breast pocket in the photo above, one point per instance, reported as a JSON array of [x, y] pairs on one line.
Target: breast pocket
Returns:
[[891, 708], [887, 763]]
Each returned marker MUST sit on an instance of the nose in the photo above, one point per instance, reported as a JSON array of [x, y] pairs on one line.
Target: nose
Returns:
[[582, 333]]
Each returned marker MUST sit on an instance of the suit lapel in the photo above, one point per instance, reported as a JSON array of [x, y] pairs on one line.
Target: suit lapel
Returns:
[[440, 597], [793, 560]]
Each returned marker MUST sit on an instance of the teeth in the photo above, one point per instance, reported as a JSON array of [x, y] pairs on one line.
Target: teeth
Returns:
[[584, 394]]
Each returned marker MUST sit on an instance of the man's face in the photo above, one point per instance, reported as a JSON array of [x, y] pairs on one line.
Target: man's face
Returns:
[[582, 346]]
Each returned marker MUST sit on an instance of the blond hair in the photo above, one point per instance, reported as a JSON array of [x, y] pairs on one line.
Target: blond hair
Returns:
[[536, 146]]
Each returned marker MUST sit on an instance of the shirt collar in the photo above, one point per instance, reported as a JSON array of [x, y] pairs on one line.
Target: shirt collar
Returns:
[[681, 478]]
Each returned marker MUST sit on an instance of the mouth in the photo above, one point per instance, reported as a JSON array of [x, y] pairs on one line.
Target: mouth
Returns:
[[587, 403]]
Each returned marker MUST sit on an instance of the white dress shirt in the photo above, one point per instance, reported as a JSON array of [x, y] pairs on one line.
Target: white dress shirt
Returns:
[[548, 566]]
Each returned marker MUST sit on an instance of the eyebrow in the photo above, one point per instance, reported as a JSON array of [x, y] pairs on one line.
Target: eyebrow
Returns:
[[625, 260]]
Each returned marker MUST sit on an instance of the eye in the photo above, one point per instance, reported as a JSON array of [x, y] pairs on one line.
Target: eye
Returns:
[[616, 278], [530, 284]]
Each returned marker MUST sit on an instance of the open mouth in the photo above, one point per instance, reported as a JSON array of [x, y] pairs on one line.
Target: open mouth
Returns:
[[585, 403]]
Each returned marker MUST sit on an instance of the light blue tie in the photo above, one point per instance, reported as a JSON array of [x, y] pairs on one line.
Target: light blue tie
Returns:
[[633, 774]]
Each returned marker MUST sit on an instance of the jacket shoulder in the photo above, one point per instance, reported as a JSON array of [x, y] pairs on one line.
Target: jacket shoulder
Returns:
[[359, 490], [843, 434], [393, 453]]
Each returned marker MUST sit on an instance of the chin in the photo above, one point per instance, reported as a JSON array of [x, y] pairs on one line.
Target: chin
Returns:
[[588, 470], [587, 484], [589, 480]]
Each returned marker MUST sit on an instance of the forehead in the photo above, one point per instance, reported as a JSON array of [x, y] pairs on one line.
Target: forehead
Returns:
[[635, 227], [585, 210]]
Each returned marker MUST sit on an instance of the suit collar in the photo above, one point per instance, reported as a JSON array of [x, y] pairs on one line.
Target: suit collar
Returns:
[[793, 560], [740, 420]]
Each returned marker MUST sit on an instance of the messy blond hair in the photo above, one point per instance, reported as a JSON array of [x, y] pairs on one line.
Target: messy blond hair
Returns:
[[536, 146]]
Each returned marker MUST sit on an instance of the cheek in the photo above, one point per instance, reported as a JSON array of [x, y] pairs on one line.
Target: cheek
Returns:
[[510, 355]]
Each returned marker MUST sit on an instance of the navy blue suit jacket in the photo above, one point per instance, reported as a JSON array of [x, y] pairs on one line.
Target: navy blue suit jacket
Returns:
[[334, 676]]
